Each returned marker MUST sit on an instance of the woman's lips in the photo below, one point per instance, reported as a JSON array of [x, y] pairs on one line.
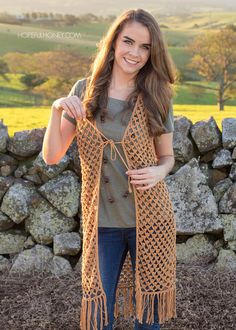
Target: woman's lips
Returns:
[[130, 61]]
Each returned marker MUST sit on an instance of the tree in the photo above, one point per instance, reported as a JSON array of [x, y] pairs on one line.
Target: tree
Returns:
[[49, 73], [215, 60], [32, 80], [4, 69]]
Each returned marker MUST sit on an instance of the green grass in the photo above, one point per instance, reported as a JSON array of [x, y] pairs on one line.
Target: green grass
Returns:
[[205, 20], [19, 119], [178, 35], [203, 112], [13, 94], [23, 114], [13, 39]]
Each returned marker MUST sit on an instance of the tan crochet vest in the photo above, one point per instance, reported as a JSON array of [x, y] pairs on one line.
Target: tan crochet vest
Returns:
[[155, 273]]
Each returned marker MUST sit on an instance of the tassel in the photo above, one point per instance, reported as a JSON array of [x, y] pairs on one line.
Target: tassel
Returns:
[[116, 309], [128, 308], [129, 185], [166, 301], [86, 321]]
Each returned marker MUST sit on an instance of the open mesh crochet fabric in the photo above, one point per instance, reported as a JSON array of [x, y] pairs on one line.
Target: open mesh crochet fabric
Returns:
[[155, 272]]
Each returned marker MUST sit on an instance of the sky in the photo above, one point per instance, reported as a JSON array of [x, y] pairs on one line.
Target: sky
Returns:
[[106, 7]]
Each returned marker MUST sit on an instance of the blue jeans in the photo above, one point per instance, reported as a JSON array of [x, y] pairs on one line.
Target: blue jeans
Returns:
[[113, 246]]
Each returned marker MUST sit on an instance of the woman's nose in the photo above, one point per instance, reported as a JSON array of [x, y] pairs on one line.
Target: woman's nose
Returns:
[[134, 53]]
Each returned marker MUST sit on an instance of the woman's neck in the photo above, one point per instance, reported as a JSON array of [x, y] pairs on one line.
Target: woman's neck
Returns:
[[121, 81], [121, 87]]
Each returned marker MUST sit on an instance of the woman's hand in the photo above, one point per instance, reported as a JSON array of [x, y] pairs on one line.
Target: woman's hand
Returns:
[[147, 176], [72, 105]]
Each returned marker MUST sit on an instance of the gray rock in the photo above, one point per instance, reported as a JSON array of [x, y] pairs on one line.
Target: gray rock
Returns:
[[227, 203], [63, 192], [60, 266], [35, 178], [226, 261], [219, 243], [197, 250], [29, 243], [12, 241], [221, 187], [204, 169], [182, 145], [44, 222], [36, 259], [229, 222], [26, 143], [232, 173], [7, 170], [51, 171], [78, 266], [67, 244], [74, 159], [16, 201], [222, 158], [194, 205], [215, 175], [20, 171], [234, 153], [4, 136], [209, 155], [5, 264], [232, 245], [7, 160], [5, 222], [229, 133], [182, 125], [183, 148], [5, 184], [206, 134]]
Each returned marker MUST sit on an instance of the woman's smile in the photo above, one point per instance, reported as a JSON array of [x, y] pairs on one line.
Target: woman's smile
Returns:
[[131, 62]]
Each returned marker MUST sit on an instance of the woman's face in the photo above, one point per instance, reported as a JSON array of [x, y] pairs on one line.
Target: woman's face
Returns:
[[132, 48]]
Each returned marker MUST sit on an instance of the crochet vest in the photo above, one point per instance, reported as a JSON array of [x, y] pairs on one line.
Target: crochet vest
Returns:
[[155, 272]]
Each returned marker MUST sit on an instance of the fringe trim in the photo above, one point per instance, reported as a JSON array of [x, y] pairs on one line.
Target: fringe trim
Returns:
[[166, 305], [128, 307], [86, 321]]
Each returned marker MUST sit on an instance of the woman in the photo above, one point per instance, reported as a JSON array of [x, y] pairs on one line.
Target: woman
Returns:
[[122, 118]]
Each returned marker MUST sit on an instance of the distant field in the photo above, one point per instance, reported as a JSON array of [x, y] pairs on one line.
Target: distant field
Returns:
[[179, 32], [19, 119], [13, 39], [13, 95], [85, 42]]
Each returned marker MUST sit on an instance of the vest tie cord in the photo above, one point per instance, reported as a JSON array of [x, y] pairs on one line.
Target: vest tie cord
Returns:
[[155, 271], [114, 149]]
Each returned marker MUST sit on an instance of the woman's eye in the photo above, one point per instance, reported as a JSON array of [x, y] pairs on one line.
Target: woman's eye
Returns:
[[127, 41]]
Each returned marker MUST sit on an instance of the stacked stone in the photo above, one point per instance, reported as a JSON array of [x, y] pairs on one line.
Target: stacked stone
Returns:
[[40, 212]]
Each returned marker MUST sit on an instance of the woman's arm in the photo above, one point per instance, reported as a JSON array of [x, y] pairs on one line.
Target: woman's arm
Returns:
[[165, 152], [60, 131]]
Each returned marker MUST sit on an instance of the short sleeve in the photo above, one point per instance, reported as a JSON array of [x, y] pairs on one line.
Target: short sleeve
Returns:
[[76, 89], [169, 122]]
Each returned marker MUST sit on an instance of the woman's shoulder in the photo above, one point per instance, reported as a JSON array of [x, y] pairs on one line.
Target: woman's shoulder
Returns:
[[79, 87], [169, 122]]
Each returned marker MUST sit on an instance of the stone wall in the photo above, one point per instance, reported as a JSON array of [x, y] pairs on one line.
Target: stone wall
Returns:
[[40, 204]]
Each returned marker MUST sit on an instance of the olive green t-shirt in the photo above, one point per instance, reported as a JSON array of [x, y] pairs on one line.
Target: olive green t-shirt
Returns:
[[120, 213]]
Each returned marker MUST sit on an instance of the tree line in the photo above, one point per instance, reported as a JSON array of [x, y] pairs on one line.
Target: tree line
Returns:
[[56, 19]]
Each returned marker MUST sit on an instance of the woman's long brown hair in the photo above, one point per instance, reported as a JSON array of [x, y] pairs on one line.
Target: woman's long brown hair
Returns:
[[154, 80]]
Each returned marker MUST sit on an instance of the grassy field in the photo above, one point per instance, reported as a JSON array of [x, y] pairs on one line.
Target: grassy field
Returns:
[[13, 94], [19, 119], [19, 107], [179, 32]]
